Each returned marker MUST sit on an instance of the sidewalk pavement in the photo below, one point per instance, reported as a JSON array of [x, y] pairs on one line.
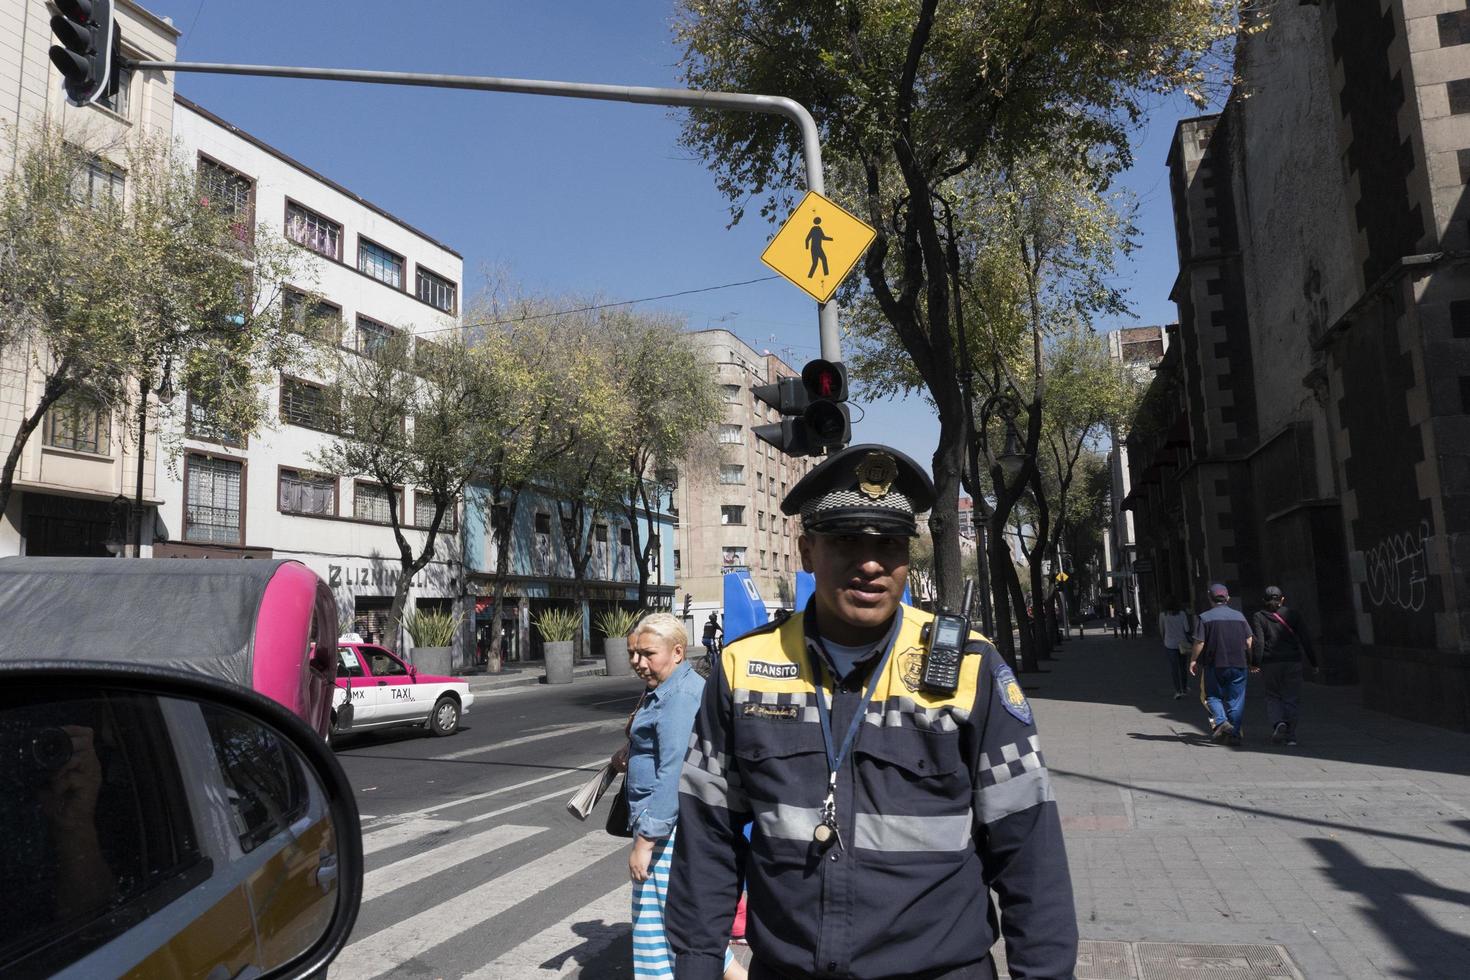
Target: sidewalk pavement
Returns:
[[528, 675], [1347, 855]]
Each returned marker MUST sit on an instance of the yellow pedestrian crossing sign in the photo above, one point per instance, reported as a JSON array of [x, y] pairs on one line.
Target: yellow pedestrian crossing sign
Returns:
[[1062, 576], [818, 246]]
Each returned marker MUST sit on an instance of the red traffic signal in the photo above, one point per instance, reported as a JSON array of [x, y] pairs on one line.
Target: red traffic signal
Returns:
[[87, 54], [825, 379]]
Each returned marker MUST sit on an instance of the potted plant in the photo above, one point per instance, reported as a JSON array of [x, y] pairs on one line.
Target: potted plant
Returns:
[[615, 624], [433, 635], [558, 628]]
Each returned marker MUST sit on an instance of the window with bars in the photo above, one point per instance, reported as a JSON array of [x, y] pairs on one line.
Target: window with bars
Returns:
[[423, 512], [731, 393], [232, 193], [435, 290], [732, 473], [315, 318], [732, 515], [213, 498], [730, 434], [314, 231], [80, 424], [370, 503], [311, 406], [100, 184], [376, 261], [301, 492], [203, 421]]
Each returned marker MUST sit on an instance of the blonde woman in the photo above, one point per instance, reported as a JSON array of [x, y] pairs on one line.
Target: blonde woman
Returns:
[[657, 739]]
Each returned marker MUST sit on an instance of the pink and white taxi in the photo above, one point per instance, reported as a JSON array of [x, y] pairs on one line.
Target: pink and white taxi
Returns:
[[376, 689]]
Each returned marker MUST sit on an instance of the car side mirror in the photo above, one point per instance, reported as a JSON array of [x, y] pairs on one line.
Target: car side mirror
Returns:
[[161, 824]]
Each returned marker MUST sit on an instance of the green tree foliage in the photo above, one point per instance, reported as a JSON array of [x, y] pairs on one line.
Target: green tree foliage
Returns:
[[117, 277], [670, 394], [916, 99], [413, 415]]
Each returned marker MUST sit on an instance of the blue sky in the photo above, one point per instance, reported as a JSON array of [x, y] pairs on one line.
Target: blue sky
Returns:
[[564, 196]]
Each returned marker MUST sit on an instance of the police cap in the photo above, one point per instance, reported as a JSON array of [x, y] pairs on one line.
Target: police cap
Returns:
[[864, 489]]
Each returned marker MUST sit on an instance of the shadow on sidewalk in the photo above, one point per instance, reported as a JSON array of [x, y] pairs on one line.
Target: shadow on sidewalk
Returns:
[[1432, 949], [1334, 725]]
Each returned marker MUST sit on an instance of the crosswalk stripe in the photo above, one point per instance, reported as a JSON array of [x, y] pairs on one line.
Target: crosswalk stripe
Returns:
[[556, 732], [554, 794], [386, 950], [399, 874], [546, 953], [402, 833], [580, 771]]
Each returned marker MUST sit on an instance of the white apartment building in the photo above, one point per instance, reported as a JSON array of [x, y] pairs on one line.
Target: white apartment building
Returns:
[[1136, 350], [374, 274], [79, 468], [730, 514]]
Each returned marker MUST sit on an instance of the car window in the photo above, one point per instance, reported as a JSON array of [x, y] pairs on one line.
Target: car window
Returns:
[[93, 839], [384, 664], [347, 663], [267, 790]]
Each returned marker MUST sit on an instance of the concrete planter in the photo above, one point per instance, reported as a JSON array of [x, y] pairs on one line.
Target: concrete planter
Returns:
[[615, 652], [434, 660], [559, 662]]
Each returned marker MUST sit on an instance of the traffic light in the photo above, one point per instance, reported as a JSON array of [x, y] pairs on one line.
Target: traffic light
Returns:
[[87, 56], [813, 416], [688, 601]]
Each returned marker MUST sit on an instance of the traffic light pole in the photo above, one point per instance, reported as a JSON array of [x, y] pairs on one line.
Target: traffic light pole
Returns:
[[689, 98]]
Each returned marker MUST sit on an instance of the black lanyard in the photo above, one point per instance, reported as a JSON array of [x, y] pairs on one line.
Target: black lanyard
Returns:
[[834, 761]]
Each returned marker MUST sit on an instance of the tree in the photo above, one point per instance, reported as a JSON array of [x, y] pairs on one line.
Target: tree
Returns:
[[524, 353], [669, 393], [412, 413], [120, 283], [913, 96]]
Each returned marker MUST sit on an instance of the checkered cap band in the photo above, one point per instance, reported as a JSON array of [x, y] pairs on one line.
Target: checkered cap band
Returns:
[[853, 500]]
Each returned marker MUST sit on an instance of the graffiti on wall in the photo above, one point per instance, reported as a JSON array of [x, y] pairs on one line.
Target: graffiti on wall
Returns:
[[1398, 570]]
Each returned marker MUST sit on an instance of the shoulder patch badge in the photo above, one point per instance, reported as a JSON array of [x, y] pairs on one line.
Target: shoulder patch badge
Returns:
[[1008, 691], [763, 668], [910, 668]]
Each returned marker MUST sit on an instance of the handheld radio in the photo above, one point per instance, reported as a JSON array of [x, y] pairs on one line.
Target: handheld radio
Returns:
[[944, 646]]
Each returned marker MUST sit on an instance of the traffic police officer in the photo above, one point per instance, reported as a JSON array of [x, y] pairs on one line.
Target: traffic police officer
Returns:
[[883, 812]]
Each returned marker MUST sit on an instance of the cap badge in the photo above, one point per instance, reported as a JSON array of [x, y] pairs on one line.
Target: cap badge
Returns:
[[876, 474]]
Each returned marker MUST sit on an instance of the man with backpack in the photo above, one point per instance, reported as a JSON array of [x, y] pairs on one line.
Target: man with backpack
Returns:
[[1281, 642]]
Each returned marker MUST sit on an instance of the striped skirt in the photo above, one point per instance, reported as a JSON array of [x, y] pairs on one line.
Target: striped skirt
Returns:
[[652, 959]]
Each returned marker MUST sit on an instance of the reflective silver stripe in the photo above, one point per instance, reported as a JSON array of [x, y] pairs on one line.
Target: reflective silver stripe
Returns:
[[1031, 788], [702, 753], [713, 790], [788, 822], [895, 834]]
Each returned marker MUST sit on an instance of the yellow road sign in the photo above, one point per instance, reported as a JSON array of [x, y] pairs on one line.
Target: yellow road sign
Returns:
[[818, 246], [1062, 576]]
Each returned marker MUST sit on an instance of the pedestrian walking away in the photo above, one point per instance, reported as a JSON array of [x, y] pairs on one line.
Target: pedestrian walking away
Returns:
[[1281, 641], [1222, 642], [1174, 629], [710, 639], [657, 738], [885, 811]]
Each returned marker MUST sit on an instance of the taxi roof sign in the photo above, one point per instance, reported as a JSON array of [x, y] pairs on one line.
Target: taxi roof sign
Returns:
[[818, 246]]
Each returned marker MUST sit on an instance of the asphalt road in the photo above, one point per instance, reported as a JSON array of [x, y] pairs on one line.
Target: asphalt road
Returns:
[[474, 867]]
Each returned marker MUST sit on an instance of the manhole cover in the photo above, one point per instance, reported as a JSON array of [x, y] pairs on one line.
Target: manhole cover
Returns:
[[1096, 960], [1196, 961], [1104, 961]]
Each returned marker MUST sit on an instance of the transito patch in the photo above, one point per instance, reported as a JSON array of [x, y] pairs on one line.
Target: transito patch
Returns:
[[910, 668], [764, 668], [1008, 690], [775, 712]]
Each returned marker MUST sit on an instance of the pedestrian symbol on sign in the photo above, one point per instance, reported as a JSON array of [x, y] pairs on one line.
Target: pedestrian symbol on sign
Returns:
[[814, 240]]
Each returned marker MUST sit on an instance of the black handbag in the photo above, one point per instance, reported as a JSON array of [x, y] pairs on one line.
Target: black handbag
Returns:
[[617, 814]]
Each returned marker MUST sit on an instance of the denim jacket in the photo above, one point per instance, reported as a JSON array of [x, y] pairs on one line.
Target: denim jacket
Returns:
[[656, 745]]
